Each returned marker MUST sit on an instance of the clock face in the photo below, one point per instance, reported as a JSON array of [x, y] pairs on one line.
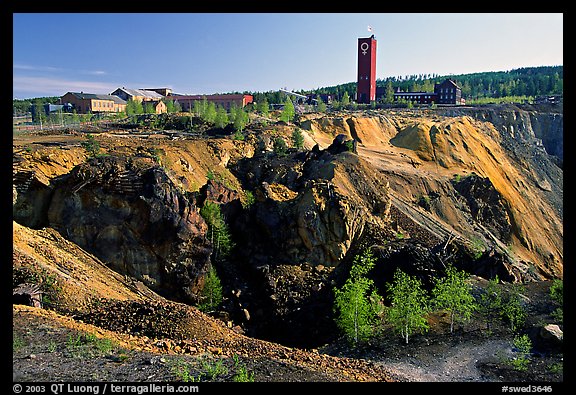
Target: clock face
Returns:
[[364, 48]]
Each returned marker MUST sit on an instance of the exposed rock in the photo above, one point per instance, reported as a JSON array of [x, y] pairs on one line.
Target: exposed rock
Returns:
[[552, 333], [129, 214], [486, 205], [27, 294]]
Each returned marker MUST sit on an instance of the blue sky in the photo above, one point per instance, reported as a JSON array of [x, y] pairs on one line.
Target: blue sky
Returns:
[[205, 53]]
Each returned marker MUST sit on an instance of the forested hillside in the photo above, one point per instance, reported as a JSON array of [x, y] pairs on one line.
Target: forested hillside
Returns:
[[526, 81]]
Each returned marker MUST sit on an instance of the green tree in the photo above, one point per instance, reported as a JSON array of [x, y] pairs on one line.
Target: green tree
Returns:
[[217, 229], [241, 119], [172, 106], [454, 294], [345, 99], [263, 107], [321, 107], [199, 108], [297, 138], [210, 112], [211, 295], [288, 112], [280, 147], [221, 119], [489, 303], [357, 303], [408, 308], [149, 108], [91, 146], [513, 310], [523, 345], [389, 96], [557, 294], [134, 107]]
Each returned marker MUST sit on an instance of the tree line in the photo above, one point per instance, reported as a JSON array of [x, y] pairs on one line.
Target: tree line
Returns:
[[521, 82]]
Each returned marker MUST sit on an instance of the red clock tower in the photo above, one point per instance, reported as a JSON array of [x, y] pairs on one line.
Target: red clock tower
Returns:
[[366, 88]]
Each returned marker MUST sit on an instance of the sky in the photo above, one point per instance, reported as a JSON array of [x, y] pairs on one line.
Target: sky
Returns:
[[207, 53]]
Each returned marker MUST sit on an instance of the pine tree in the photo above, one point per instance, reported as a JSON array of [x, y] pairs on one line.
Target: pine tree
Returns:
[[218, 229], [211, 295], [297, 139]]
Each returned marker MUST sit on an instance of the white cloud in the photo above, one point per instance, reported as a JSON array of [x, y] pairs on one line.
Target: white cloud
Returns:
[[35, 68], [42, 86]]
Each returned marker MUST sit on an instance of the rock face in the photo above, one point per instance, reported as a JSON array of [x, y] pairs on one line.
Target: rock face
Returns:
[[486, 205], [130, 215]]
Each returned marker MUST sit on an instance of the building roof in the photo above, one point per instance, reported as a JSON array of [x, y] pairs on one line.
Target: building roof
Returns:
[[141, 92], [95, 96], [449, 81], [210, 97]]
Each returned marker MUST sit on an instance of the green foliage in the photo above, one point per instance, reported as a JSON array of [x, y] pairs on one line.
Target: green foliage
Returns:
[[172, 106], [238, 136], [248, 200], [210, 175], [91, 146], [557, 291], [512, 309], [243, 375], [357, 303], [17, 342], [288, 112], [321, 106], [209, 114], [181, 369], [263, 107], [424, 201], [389, 95], [297, 139], [345, 99], [350, 145], [134, 107], [280, 147], [89, 345], [221, 119], [478, 247], [241, 119], [211, 295], [217, 229], [454, 294], [523, 344], [557, 295], [490, 302], [409, 305], [214, 369], [149, 108]]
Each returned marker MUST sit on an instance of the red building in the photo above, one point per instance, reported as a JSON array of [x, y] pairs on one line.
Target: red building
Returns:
[[366, 87], [226, 100]]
